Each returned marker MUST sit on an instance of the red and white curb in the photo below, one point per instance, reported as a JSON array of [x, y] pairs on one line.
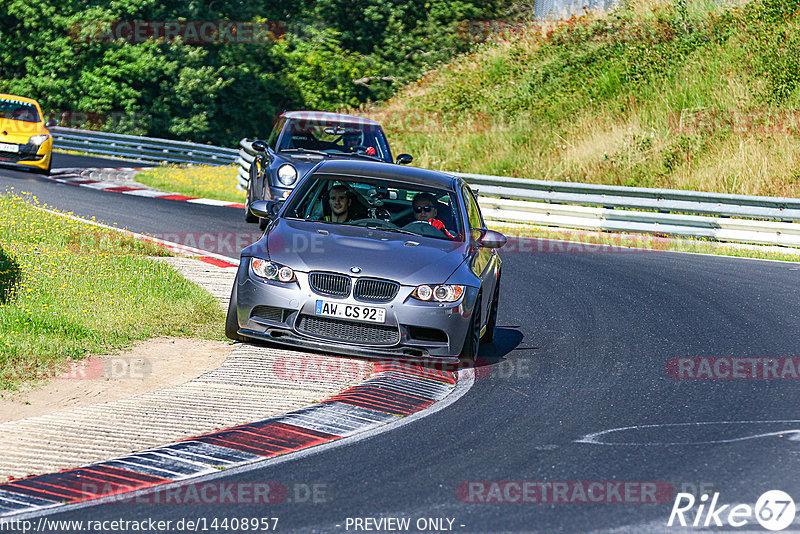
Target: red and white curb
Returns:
[[83, 178], [395, 392]]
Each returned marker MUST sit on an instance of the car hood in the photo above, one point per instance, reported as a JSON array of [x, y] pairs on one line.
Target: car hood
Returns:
[[14, 131], [410, 260], [306, 160]]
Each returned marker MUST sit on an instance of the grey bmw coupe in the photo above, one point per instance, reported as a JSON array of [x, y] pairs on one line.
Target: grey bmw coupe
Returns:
[[371, 259]]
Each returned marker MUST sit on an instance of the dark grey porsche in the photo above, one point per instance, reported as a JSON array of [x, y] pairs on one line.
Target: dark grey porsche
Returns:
[[299, 140], [371, 259]]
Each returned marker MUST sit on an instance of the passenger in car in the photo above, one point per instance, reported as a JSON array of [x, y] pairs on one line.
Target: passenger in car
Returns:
[[339, 201]]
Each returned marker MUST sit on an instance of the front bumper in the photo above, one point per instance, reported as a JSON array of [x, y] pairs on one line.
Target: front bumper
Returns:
[[285, 313], [29, 155]]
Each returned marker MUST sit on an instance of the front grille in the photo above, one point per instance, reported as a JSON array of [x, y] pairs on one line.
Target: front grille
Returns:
[[335, 285], [270, 313], [349, 331], [371, 290]]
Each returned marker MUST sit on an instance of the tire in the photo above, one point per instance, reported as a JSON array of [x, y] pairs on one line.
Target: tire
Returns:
[[249, 217], [488, 336], [231, 319], [469, 352]]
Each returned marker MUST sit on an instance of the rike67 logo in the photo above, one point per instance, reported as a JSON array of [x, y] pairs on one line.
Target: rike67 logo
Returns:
[[774, 510]]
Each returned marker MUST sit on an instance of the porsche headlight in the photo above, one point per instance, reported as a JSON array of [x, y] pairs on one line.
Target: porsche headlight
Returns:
[[441, 293], [38, 139], [272, 271], [287, 174]]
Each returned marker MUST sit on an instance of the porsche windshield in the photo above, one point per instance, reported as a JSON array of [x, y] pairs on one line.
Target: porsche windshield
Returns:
[[335, 138], [378, 204]]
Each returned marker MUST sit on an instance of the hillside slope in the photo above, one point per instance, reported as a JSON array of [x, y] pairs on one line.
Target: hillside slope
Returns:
[[680, 95]]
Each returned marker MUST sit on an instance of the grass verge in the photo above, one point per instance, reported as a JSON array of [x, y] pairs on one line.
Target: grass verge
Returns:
[[202, 181], [678, 94], [69, 289]]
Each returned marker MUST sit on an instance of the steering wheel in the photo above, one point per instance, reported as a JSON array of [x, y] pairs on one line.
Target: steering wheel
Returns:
[[422, 227]]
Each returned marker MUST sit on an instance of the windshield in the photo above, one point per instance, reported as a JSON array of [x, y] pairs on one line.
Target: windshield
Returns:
[[378, 204], [18, 110], [336, 137]]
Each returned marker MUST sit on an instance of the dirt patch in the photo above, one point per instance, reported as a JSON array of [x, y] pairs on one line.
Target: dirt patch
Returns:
[[150, 365]]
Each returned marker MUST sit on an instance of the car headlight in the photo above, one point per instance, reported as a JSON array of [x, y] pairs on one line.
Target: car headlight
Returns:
[[38, 139], [287, 174], [273, 271], [442, 293]]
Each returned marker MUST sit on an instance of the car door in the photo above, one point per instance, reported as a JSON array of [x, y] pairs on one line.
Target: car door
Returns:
[[485, 262]]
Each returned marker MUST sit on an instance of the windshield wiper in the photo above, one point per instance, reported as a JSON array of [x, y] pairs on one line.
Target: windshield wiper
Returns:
[[306, 151], [356, 154], [390, 229]]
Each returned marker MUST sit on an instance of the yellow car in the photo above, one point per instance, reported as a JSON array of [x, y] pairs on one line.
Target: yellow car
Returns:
[[24, 138]]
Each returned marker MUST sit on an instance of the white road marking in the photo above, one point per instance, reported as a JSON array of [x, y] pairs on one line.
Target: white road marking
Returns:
[[597, 438]]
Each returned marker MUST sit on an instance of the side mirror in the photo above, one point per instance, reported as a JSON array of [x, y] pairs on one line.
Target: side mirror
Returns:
[[404, 159], [52, 123], [491, 239], [266, 209], [259, 146]]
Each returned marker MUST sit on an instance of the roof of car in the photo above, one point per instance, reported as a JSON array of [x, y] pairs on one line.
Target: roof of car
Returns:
[[388, 171], [4, 96], [325, 116]]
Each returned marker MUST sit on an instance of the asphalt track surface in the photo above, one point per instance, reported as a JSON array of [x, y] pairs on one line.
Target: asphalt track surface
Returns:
[[582, 347]]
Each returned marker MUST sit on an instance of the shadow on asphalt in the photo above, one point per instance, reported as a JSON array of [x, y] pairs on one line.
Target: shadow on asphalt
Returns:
[[506, 340]]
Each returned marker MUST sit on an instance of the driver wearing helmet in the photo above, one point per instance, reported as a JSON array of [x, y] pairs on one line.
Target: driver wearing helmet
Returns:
[[425, 210], [354, 142]]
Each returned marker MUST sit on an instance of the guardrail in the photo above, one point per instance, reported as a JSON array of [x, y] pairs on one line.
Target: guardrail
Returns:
[[736, 218], [674, 212], [144, 149], [245, 159]]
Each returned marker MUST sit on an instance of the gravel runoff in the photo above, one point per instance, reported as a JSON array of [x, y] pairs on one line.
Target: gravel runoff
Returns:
[[254, 382]]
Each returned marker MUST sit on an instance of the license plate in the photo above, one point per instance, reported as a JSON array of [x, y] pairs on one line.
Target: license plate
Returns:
[[6, 147], [353, 312]]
